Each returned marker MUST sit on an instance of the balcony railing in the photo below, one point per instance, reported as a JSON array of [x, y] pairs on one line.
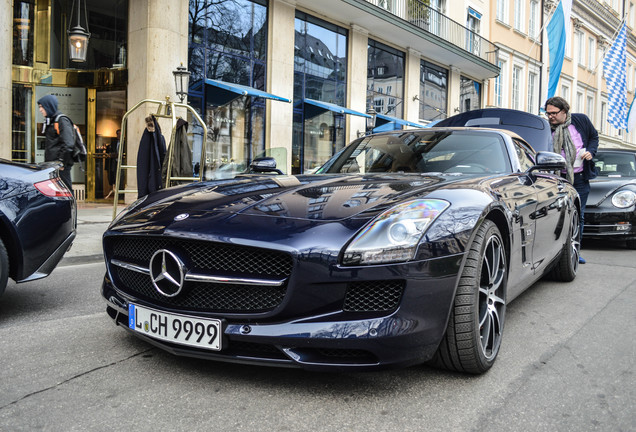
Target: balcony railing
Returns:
[[420, 14]]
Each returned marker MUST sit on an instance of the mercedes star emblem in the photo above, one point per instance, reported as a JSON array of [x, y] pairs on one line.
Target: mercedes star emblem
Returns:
[[167, 273]]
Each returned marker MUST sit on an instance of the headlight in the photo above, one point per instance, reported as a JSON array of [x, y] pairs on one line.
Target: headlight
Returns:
[[624, 199], [394, 235]]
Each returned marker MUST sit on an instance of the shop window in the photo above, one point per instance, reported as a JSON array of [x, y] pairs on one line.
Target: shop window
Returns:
[[317, 135], [470, 94], [228, 42], [23, 15], [389, 65], [21, 145], [433, 91]]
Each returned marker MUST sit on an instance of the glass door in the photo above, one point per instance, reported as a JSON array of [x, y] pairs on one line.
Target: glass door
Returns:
[[110, 107]]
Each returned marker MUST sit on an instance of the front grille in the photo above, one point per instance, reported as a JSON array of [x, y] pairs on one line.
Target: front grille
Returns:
[[204, 258], [206, 255], [373, 296]]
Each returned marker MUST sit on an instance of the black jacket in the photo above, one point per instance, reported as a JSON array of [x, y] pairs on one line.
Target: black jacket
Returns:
[[57, 147], [152, 150]]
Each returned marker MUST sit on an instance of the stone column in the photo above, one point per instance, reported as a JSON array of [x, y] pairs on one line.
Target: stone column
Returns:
[[454, 91], [157, 44], [6, 99], [280, 80], [412, 86], [357, 81]]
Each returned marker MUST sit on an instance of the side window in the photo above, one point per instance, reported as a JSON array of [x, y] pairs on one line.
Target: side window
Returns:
[[524, 154]]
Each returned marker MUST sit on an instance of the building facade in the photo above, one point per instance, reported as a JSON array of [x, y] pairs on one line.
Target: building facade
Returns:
[[518, 29], [295, 80]]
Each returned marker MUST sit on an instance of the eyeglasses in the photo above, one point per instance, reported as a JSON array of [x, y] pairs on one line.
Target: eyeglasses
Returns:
[[553, 113]]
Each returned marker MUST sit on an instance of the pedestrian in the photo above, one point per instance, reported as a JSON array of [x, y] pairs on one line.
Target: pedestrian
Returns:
[[575, 137], [59, 137]]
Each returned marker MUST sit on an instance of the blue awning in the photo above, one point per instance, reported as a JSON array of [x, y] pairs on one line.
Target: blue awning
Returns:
[[313, 108], [381, 119], [220, 92], [388, 126]]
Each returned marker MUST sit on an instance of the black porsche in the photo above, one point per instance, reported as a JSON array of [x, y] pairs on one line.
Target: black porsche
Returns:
[[610, 213]]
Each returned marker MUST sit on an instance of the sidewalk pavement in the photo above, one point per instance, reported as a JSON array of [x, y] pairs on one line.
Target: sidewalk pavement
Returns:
[[92, 220]]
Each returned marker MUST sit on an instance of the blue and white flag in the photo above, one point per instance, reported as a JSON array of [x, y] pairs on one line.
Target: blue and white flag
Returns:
[[558, 31], [615, 71]]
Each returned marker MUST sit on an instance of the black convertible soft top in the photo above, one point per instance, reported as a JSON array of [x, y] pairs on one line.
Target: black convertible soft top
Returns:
[[532, 128]]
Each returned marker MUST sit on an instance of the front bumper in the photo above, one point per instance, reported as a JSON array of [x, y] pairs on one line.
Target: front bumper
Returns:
[[616, 224], [316, 332]]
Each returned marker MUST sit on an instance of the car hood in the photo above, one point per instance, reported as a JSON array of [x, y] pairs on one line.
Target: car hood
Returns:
[[274, 202], [602, 187]]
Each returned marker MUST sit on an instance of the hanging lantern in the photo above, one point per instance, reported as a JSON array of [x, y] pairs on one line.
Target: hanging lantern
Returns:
[[371, 119], [77, 36], [181, 80]]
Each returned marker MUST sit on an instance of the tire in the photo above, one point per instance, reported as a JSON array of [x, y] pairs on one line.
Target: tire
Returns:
[[476, 321], [4, 268], [566, 267], [630, 244]]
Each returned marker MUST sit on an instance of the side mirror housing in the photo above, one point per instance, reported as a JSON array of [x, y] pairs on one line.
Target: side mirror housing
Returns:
[[264, 165], [548, 161]]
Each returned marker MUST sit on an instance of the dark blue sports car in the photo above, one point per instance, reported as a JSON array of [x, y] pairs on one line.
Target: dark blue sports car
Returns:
[[610, 213], [38, 219], [404, 248]]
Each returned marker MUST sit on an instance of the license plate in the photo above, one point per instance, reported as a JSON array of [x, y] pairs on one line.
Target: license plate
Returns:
[[181, 329]]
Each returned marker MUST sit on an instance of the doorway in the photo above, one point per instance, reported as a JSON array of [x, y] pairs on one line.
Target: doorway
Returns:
[[110, 107]]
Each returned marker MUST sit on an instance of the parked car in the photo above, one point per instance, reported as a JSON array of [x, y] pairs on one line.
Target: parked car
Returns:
[[404, 248], [38, 219], [610, 213]]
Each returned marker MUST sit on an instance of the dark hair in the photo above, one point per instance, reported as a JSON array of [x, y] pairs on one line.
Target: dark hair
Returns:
[[558, 102]]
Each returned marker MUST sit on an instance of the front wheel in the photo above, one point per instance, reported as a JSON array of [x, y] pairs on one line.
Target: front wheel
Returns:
[[475, 326]]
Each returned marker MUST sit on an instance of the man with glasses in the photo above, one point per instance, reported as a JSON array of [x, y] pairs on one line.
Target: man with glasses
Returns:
[[575, 137]]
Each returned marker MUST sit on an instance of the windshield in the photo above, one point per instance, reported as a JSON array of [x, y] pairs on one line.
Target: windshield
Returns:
[[614, 164], [424, 151]]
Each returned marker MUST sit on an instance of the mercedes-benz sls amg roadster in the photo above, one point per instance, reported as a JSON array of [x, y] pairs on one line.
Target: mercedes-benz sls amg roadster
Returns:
[[404, 248]]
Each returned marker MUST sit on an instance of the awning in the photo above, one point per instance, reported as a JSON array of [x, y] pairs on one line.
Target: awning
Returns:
[[381, 119], [220, 92], [314, 108]]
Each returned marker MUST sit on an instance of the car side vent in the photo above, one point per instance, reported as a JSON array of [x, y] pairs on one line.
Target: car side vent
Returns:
[[373, 296]]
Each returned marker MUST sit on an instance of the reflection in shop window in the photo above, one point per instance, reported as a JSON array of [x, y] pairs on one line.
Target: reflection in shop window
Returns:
[[21, 122], [228, 42], [320, 59], [23, 15], [385, 79]]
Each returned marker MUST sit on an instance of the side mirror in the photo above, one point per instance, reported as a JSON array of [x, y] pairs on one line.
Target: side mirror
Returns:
[[264, 165], [548, 161]]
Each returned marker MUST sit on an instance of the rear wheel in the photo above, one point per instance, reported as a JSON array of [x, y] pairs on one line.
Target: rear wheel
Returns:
[[565, 269], [4, 267], [475, 325]]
